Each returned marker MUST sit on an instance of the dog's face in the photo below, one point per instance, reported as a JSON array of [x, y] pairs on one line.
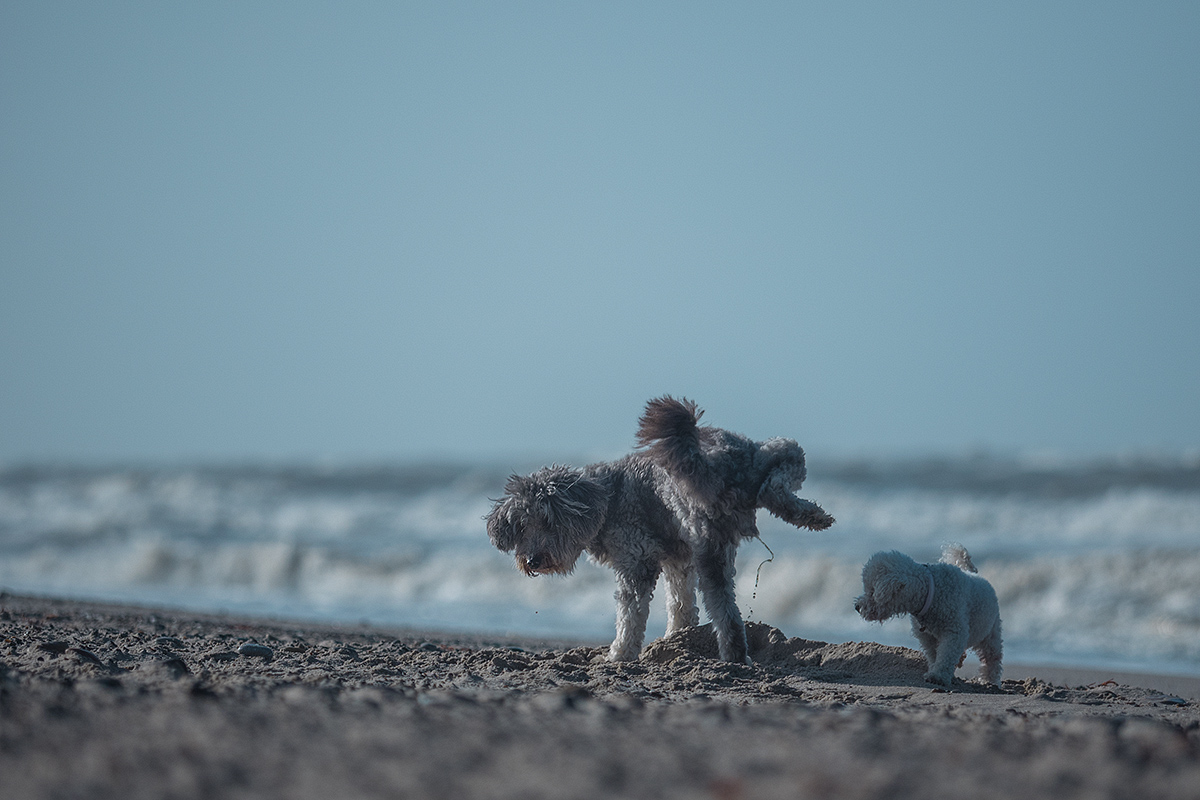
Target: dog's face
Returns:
[[547, 519], [883, 584]]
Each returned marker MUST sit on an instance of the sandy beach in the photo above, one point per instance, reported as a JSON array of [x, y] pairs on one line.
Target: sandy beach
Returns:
[[106, 701]]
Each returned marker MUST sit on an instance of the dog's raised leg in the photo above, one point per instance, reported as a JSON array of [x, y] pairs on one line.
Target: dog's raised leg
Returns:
[[778, 498], [635, 588], [714, 571], [681, 596]]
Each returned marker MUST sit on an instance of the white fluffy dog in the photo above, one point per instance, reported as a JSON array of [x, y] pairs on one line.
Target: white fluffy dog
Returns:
[[952, 608]]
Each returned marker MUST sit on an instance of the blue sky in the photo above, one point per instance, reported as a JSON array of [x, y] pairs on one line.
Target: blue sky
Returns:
[[400, 231]]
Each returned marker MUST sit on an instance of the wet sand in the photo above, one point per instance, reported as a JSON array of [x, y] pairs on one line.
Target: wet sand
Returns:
[[107, 701]]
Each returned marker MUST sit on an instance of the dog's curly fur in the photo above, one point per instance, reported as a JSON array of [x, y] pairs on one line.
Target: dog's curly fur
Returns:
[[960, 610], [617, 512], [722, 478]]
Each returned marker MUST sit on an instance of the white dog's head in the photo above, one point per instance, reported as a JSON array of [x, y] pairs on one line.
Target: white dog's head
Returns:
[[893, 584]]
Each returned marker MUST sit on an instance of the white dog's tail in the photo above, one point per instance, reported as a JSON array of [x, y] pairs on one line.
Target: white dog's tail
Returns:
[[954, 553]]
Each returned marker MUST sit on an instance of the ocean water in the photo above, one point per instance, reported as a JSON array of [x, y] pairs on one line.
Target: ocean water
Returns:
[[1095, 562]]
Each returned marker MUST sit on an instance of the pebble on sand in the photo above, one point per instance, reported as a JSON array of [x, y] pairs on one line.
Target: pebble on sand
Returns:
[[256, 650]]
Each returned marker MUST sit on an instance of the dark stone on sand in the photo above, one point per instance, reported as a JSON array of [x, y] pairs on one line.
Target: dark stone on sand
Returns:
[[256, 651], [57, 648]]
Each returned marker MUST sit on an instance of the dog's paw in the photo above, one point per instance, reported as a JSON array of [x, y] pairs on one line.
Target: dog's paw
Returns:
[[819, 522], [616, 653], [937, 680]]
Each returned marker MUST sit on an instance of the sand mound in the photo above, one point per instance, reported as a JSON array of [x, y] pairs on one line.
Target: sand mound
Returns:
[[769, 647]]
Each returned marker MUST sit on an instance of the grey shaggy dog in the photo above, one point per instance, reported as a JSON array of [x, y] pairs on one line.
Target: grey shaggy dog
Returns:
[[722, 478], [619, 514], [952, 608]]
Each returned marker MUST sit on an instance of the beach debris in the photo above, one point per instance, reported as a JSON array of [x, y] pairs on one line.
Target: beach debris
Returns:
[[513, 663], [85, 655], [57, 648], [1171, 700], [173, 667], [255, 650], [565, 698], [202, 691]]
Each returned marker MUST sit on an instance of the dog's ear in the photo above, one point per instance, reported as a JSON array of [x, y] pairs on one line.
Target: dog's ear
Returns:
[[572, 504], [886, 589], [502, 525]]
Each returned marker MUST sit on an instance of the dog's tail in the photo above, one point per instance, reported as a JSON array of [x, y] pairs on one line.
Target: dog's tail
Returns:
[[671, 433], [954, 553]]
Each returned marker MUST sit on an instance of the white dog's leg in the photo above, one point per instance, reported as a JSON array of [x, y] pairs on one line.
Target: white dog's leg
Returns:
[[634, 591], [950, 648], [681, 597], [927, 641], [990, 652], [714, 572]]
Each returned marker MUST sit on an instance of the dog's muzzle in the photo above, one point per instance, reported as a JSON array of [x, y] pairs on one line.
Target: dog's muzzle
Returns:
[[864, 610], [535, 564]]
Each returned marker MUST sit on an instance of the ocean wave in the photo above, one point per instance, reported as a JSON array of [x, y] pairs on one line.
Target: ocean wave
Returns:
[[1031, 476], [996, 524]]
